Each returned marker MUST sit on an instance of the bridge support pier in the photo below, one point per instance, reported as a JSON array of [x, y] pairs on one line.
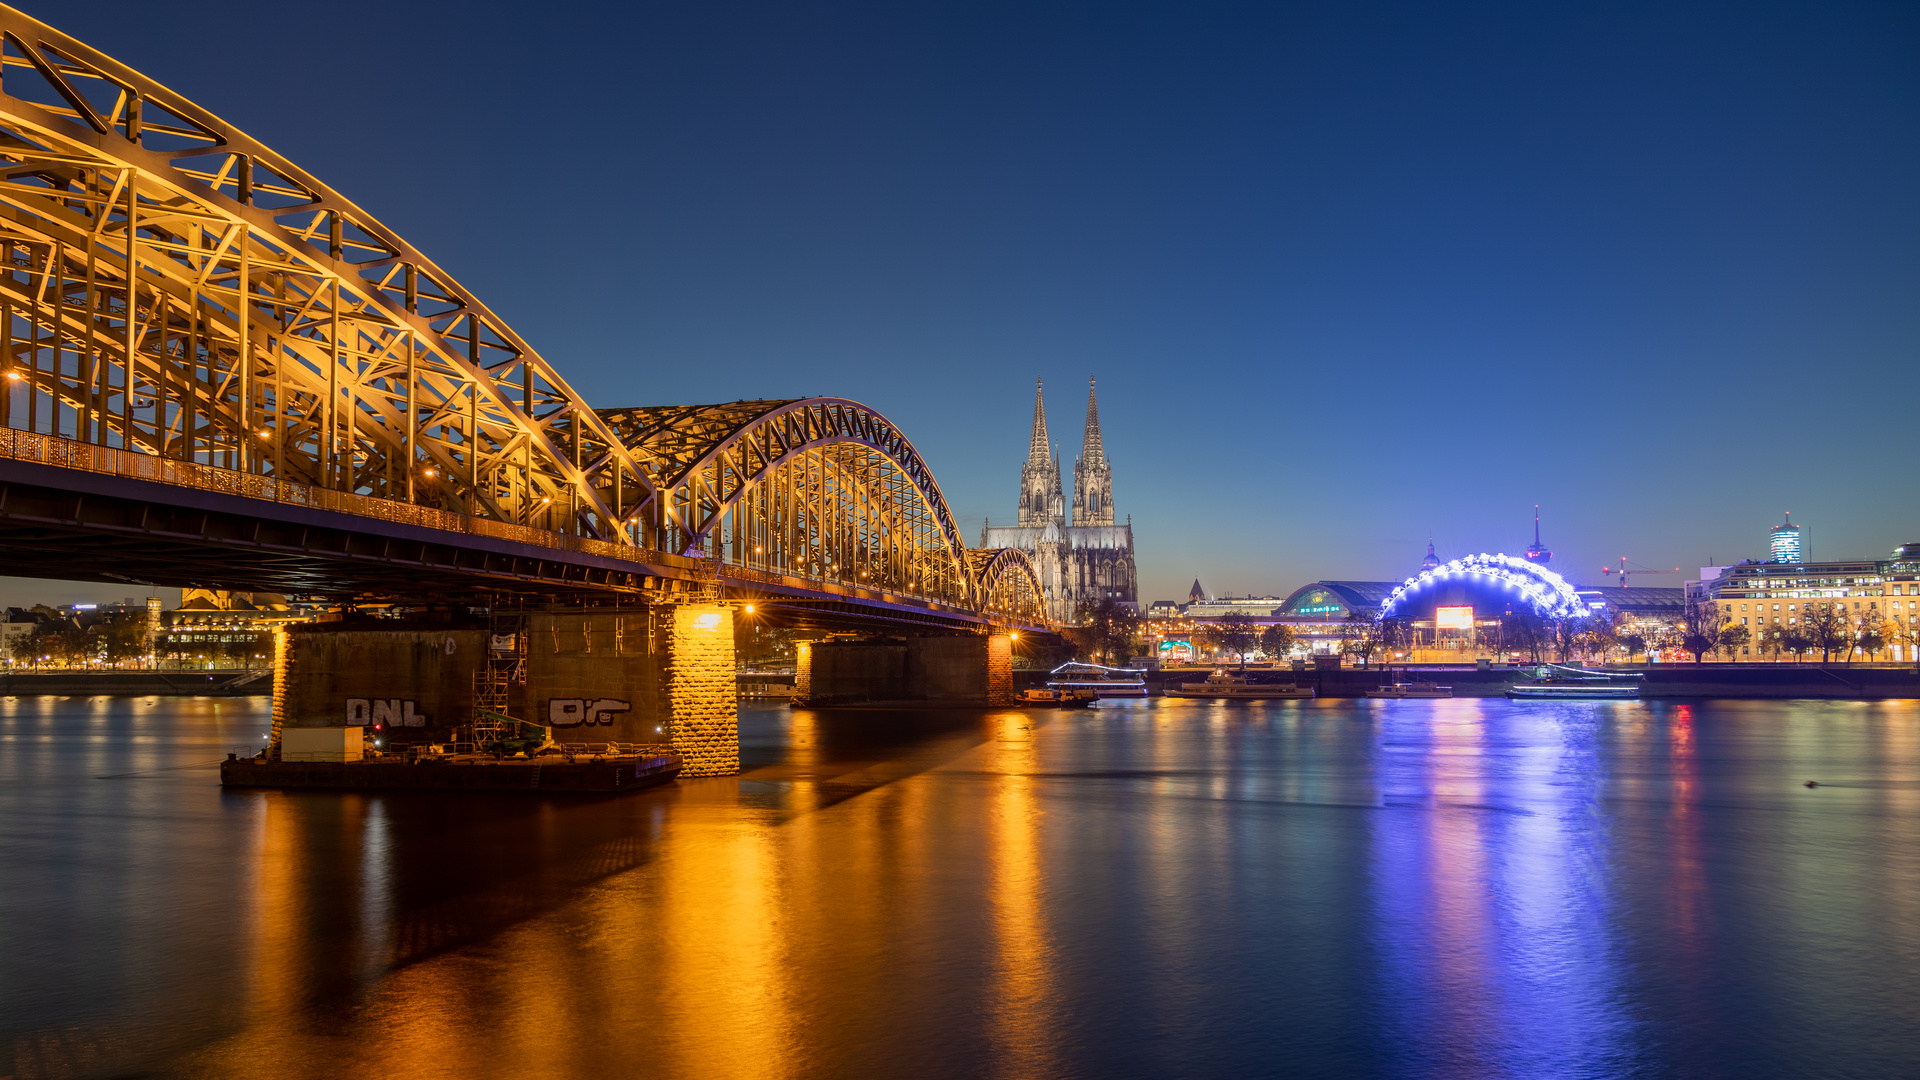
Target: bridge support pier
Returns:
[[703, 700], [661, 673], [953, 670]]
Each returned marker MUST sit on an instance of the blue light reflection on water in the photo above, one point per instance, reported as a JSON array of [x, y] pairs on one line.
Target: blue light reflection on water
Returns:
[[1492, 901], [1458, 888]]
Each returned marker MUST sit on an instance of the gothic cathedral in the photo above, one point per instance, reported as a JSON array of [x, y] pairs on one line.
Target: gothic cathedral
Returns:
[[1079, 564]]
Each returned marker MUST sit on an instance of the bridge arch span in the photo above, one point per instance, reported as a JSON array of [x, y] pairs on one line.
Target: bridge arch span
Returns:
[[818, 487], [1007, 586], [174, 287]]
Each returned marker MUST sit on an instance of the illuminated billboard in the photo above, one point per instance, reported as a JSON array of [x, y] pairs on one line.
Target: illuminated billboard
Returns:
[[1453, 618]]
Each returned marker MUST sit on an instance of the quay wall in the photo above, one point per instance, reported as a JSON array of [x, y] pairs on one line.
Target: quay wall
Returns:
[[1684, 680], [136, 683]]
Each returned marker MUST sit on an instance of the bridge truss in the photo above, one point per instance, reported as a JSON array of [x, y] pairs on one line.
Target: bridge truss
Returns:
[[173, 289]]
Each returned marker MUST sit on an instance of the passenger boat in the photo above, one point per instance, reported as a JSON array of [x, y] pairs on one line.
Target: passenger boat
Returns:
[[1557, 682], [1411, 690], [1225, 685], [1088, 682], [1054, 696]]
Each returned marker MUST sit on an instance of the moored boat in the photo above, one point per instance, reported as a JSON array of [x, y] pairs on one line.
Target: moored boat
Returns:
[[1088, 682], [1055, 696], [1411, 690], [1555, 682], [1229, 686]]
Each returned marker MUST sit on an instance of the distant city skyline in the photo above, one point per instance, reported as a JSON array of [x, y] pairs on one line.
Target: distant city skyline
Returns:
[[1350, 276]]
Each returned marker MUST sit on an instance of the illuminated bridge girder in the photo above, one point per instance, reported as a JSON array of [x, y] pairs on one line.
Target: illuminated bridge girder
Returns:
[[1006, 585], [267, 325], [174, 292], [821, 488]]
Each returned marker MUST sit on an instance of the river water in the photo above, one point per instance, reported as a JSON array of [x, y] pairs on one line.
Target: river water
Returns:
[[1467, 888]]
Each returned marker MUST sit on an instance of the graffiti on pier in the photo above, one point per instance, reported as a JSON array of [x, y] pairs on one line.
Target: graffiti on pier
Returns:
[[569, 712], [387, 712]]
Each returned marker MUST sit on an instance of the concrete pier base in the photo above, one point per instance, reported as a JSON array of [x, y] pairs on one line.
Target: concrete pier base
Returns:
[[958, 670], [661, 673]]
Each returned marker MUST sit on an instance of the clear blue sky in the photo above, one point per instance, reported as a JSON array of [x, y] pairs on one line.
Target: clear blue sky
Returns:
[[1350, 275]]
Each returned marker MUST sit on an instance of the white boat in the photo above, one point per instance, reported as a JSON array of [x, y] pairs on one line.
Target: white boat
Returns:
[[1555, 682], [1229, 686], [1411, 690], [1089, 681]]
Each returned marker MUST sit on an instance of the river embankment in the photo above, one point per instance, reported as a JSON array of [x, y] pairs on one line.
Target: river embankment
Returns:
[[137, 683]]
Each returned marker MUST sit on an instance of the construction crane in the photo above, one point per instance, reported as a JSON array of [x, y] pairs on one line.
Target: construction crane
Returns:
[[1636, 568]]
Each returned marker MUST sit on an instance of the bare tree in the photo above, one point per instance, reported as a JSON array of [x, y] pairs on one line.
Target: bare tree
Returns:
[[1277, 640], [1796, 641], [1529, 632], [1360, 634], [1828, 628], [1772, 640], [1870, 640], [1700, 633], [1732, 638]]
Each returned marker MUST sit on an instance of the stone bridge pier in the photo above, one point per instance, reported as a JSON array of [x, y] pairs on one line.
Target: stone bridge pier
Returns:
[[971, 669], [655, 673]]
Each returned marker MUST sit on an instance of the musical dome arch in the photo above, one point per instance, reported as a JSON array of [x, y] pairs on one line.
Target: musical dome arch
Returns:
[[1489, 584]]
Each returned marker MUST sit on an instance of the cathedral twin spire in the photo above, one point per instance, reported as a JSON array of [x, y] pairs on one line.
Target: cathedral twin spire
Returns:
[[1041, 497], [1092, 476]]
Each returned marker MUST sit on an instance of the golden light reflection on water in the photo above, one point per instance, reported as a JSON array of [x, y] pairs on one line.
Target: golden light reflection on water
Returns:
[[722, 962], [1023, 987], [277, 919]]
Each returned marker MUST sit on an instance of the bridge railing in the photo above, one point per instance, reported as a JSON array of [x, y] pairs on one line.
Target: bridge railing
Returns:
[[113, 461]]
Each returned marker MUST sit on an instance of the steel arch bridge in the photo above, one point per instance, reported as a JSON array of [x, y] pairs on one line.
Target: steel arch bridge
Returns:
[[182, 306]]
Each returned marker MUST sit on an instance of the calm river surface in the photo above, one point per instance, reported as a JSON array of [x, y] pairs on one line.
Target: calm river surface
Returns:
[[1464, 888]]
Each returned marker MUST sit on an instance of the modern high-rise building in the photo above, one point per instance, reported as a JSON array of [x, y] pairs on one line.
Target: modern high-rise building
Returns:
[[1089, 560], [1784, 541]]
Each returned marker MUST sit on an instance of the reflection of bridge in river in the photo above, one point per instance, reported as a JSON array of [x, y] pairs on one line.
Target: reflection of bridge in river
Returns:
[[221, 372]]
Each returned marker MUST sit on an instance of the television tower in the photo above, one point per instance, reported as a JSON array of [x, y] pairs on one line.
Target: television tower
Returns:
[[1538, 554]]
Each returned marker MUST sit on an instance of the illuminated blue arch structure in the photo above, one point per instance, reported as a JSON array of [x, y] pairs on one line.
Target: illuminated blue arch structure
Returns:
[[1490, 584]]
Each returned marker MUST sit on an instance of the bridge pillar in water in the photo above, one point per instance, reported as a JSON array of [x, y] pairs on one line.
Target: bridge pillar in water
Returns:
[[954, 670], [703, 698], [661, 673]]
